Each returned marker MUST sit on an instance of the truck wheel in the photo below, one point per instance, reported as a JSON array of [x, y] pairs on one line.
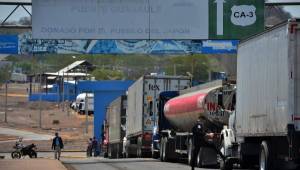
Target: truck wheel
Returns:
[[109, 153], [265, 156], [164, 153], [155, 155], [225, 165], [139, 152], [190, 151], [200, 159], [161, 151], [167, 150], [127, 155]]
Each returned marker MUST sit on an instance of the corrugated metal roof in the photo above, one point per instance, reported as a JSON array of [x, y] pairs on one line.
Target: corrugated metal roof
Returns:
[[70, 67], [67, 74]]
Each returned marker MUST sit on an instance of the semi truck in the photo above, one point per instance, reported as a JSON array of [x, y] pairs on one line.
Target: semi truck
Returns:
[[115, 127], [265, 128], [211, 102], [142, 115]]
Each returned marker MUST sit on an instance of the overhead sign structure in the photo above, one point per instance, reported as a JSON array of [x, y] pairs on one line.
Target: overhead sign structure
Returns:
[[8, 44], [146, 19], [115, 19]]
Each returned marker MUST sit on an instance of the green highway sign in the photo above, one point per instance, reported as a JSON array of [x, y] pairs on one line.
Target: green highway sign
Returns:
[[235, 19]]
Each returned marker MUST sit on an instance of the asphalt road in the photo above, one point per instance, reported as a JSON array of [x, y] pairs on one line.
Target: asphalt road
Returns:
[[126, 164], [26, 135]]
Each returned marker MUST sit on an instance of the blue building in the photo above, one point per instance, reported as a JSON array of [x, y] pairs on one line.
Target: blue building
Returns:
[[59, 86], [104, 93]]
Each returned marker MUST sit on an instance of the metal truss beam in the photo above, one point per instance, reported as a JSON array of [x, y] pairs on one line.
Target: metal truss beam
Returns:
[[15, 3], [281, 3]]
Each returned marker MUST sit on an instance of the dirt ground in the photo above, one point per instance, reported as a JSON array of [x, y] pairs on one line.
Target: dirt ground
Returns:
[[24, 115]]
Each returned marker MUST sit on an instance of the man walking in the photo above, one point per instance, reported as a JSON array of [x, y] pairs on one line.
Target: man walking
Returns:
[[57, 145], [199, 141]]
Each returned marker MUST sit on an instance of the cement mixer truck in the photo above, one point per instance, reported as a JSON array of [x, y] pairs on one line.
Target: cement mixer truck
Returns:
[[212, 102]]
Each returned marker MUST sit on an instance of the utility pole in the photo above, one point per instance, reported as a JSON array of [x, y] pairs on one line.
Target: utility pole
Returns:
[[5, 110], [174, 71], [68, 92], [86, 114], [86, 108], [40, 100], [63, 92]]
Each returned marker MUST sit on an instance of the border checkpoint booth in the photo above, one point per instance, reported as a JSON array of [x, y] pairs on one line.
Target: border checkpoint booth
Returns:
[[104, 93]]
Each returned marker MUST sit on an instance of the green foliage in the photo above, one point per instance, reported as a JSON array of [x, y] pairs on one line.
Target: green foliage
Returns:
[[133, 66], [104, 74], [197, 65], [5, 74]]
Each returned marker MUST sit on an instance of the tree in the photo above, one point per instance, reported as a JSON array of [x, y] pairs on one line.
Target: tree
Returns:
[[105, 74], [24, 21], [5, 72]]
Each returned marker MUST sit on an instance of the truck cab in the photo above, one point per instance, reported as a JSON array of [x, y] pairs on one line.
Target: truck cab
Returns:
[[163, 123]]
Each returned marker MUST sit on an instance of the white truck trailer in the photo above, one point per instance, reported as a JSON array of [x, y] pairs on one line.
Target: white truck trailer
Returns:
[[266, 123], [142, 116], [81, 101], [116, 123]]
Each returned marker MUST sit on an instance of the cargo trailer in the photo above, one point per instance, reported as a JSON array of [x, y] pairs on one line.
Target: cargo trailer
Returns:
[[115, 124], [142, 115], [265, 129]]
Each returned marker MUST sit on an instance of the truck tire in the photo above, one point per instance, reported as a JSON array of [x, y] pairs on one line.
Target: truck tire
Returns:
[[200, 158], [127, 155], [265, 156], [139, 153], [109, 153], [225, 165], [155, 155], [164, 152], [169, 156], [161, 151], [190, 151]]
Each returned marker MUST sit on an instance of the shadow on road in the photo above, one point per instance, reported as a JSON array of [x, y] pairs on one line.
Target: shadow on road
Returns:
[[110, 161]]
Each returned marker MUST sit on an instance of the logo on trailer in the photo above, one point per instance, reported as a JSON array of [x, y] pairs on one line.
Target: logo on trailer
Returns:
[[153, 87], [148, 122]]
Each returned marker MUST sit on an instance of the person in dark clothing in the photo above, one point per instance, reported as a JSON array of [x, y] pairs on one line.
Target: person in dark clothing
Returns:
[[89, 148], [95, 146], [199, 141], [57, 145]]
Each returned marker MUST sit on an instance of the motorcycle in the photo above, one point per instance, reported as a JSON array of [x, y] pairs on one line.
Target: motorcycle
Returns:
[[29, 150]]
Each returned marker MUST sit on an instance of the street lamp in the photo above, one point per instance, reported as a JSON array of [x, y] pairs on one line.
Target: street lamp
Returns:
[[5, 111]]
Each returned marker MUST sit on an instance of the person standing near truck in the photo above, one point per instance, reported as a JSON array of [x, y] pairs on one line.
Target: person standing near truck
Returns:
[[57, 145], [89, 150], [199, 141], [95, 146]]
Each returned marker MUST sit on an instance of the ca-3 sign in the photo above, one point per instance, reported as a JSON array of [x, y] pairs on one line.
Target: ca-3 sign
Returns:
[[147, 19], [235, 19]]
